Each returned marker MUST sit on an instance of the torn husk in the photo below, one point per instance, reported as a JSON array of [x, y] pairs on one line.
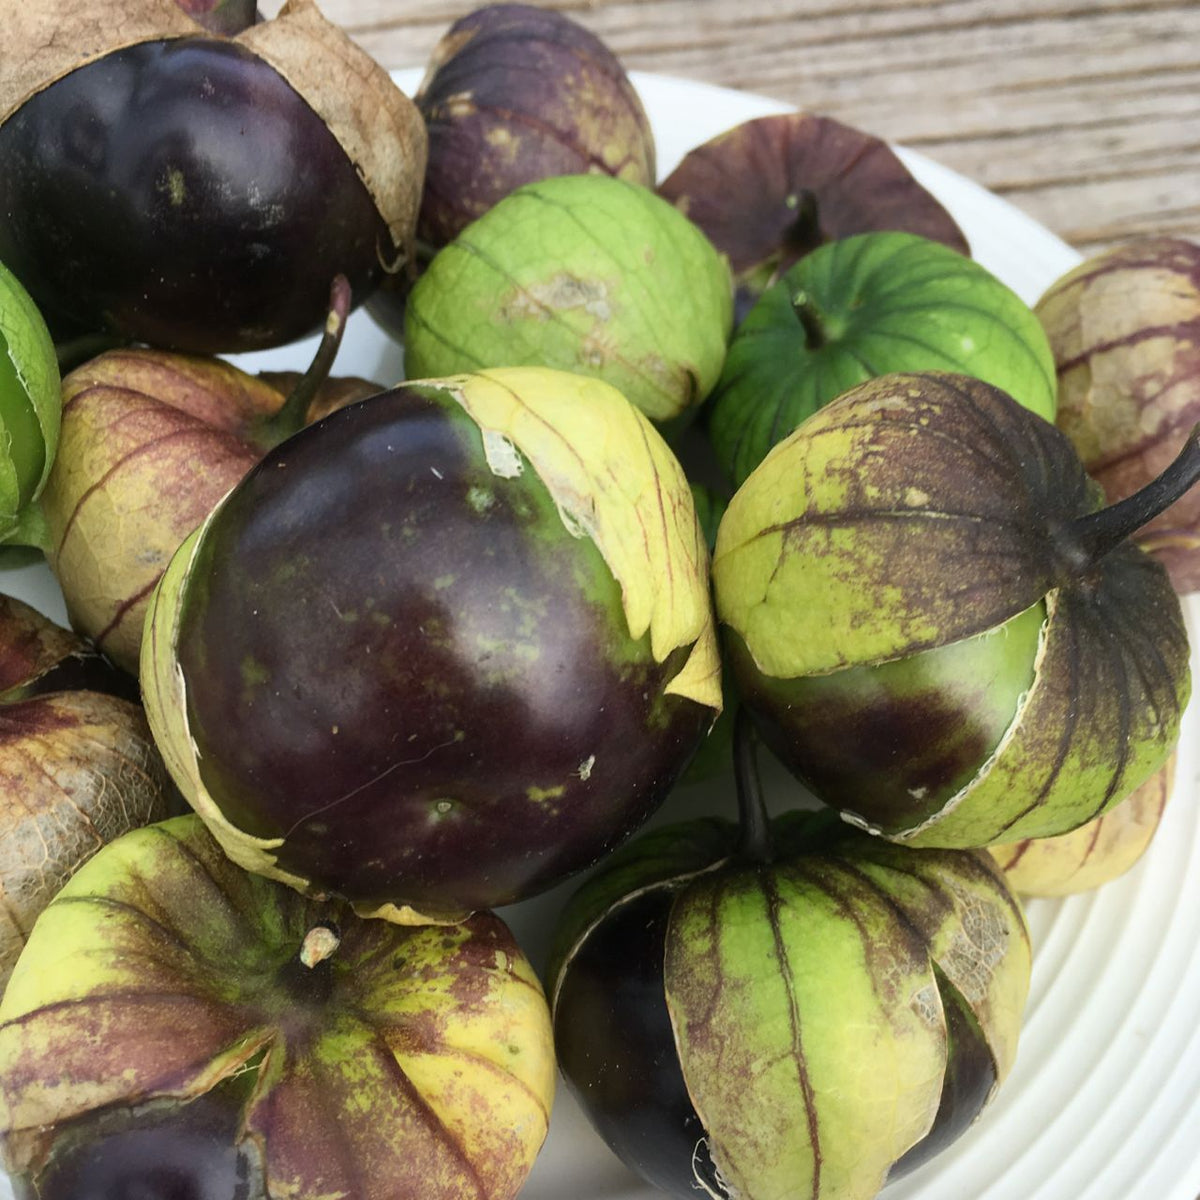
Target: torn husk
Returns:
[[374, 122], [44, 40]]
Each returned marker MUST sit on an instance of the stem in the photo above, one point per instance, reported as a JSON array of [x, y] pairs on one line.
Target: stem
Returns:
[[810, 319], [319, 943], [754, 844], [307, 978], [1099, 532], [804, 234], [291, 416]]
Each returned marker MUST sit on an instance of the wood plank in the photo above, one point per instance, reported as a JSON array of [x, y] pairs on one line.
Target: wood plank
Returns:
[[1084, 113]]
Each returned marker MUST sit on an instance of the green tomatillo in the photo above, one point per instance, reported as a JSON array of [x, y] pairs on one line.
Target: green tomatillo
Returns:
[[938, 628], [804, 1012], [864, 306], [587, 273], [177, 1026]]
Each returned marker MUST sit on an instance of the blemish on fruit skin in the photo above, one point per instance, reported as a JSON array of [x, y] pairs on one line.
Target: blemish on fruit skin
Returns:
[[584, 770], [540, 794], [480, 499], [253, 672], [440, 810], [460, 105], [173, 186], [560, 293]]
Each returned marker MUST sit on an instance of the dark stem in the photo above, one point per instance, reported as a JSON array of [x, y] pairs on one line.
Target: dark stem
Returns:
[[291, 417], [1099, 532], [810, 319], [804, 234], [754, 844]]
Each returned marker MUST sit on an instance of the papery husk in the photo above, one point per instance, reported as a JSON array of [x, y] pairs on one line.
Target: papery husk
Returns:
[[917, 511], [807, 996], [806, 1006], [46, 39], [1123, 327], [151, 442], [377, 126], [162, 973], [78, 768], [1095, 853], [82, 775]]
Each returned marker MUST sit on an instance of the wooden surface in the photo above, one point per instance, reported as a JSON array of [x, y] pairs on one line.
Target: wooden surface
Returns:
[[1084, 113]]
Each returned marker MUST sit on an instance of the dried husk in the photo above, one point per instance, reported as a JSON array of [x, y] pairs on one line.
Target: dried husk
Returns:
[[1124, 327], [150, 443], [45, 40], [379, 128], [772, 189], [78, 768]]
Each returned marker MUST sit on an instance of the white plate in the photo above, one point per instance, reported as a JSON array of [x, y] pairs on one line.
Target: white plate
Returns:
[[1104, 1101]]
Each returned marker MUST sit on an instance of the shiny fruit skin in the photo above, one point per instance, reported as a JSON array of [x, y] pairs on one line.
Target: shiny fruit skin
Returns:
[[895, 741], [616, 1049], [187, 1152], [182, 193], [437, 698]]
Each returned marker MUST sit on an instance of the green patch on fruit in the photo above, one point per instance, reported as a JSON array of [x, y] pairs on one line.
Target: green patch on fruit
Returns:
[[631, 499]]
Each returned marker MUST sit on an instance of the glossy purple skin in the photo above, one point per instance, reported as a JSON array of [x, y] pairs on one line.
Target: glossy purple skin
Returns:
[[616, 1048], [408, 668], [181, 193], [186, 1152]]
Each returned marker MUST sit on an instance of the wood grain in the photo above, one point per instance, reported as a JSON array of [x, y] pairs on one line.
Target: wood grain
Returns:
[[1086, 114]]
